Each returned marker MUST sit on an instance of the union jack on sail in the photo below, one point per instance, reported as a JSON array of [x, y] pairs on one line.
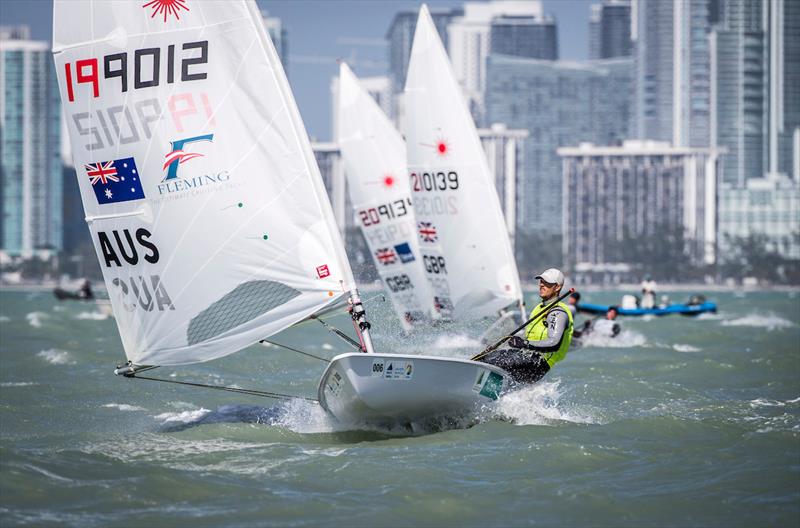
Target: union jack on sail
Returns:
[[386, 256], [427, 232]]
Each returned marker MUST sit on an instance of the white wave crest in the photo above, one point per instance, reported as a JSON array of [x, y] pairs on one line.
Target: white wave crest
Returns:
[[17, 384], [536, 404], [770, 321], [4, 319], [56, 357], [685, 348], [92, 316], [182, 417], [625, 339], [35, 318], [327, 346], [123, 407]]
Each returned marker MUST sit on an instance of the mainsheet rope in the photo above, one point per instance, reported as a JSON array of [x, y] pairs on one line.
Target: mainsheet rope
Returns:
[[251, 392]]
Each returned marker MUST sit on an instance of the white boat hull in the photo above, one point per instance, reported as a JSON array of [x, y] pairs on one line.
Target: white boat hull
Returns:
[[406, 388]]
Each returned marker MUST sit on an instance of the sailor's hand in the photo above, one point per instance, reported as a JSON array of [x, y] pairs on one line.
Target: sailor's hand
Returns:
[[517, 342]]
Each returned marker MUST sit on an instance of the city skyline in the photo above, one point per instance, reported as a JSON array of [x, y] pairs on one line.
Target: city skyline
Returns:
[[351, 30], [674, 71]]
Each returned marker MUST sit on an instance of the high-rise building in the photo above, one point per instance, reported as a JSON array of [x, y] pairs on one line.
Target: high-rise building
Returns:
[[595, 12], [469, 39], [30, 127], [329, 160], [767, 206], [401, 37], [525, 36], [559, 103], [279, 36], [504, 153], [610, 29], [739, 92], [672, 100], [615, 196], [76, 232], [755, 51], [784, 87]]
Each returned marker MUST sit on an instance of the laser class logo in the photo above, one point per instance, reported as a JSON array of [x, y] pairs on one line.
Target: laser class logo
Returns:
[[166, 7], [115, 181], [179, 156]]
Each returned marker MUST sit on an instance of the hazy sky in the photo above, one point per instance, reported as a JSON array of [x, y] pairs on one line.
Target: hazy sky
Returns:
[[320, 31]]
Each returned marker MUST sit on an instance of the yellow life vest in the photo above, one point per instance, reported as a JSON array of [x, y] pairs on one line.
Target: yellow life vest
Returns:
[[537, 331]]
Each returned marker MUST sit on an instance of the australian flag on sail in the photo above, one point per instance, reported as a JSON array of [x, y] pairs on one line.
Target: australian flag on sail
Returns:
[[115, 181], [404, 252]]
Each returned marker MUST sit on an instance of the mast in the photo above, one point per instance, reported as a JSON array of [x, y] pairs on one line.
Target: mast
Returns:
[[360, 322]]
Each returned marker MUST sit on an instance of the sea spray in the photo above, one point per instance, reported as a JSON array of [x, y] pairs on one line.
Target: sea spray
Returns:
[[770, 321]]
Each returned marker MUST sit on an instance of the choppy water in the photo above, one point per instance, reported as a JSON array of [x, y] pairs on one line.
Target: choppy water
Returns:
[[678, 421]]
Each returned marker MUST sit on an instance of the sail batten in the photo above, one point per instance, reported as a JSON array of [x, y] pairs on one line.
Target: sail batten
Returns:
[[202, 195]]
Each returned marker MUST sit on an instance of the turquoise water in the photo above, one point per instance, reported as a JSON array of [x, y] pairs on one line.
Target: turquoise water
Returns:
[[678, 421]]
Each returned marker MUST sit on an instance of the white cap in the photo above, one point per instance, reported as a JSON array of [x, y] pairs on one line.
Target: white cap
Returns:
[[551, 276]]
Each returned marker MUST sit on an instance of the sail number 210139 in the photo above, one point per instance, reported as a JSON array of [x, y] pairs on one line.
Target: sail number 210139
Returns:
[[434, 181]]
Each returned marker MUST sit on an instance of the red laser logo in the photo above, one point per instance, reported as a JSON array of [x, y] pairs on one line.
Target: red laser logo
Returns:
[[166, 7]]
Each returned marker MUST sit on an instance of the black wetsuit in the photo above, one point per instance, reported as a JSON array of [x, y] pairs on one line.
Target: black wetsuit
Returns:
[[527, 365]]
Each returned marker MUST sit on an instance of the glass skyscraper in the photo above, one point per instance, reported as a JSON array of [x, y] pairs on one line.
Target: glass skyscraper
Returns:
[[524, 36], [739, 94], [30, 127], [610, 30], [401, 36], [560, 104], [673, 78]]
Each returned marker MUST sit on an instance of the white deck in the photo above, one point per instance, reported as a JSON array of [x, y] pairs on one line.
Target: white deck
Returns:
[[386, 388]]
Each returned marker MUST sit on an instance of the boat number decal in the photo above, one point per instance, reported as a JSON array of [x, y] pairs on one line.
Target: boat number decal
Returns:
[[492, 385], [399, 370], [335, 383], [377, 367]]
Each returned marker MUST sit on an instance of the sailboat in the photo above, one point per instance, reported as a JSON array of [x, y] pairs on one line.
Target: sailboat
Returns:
[[464, 242], [374, 154], [207, 209]]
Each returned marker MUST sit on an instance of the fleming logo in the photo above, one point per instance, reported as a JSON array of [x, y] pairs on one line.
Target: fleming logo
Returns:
[[178, 156], [166, 7]]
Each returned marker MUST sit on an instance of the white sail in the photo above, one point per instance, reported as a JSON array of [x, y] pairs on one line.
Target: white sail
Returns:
[[470, 264], [374, 154], [204, 202]]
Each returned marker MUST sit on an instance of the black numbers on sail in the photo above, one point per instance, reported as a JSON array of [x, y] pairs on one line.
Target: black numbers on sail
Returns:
[[434, 265], [377, 367], [399, 283], [434, 181]]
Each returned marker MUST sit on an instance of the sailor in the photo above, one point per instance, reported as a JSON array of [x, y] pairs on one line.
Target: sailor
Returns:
[[572, 303], [85, 291], [648, 292], [547, 339], [608, 327]]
